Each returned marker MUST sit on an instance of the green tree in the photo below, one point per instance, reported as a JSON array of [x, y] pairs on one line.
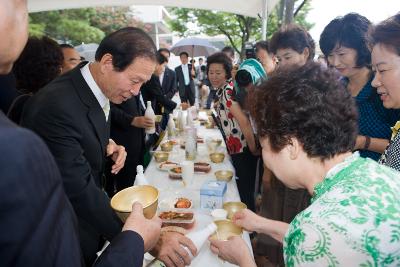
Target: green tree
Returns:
[[88, 25], [238, 29]]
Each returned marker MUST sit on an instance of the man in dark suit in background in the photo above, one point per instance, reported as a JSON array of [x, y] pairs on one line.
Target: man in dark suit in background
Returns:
[[71, 115], [37, 222], [184, 77], [168, 76]]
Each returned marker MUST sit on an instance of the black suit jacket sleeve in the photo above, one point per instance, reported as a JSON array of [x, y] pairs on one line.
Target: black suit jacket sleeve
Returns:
[[120, 118], [38, 226], [126, 249], [170, 92]]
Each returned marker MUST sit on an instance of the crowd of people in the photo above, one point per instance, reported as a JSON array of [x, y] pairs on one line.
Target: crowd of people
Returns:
[[319, 143]]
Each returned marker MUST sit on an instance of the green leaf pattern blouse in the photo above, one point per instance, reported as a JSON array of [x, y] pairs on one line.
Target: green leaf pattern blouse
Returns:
[[354, 219]]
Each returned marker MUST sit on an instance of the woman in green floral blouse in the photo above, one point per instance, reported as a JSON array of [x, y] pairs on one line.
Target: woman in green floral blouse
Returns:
[[307, 124]]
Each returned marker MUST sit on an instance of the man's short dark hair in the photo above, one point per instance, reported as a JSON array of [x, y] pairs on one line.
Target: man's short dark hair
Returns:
[[387, 33], [183, 53], [125, 45], [308, 103], [163, 49], [350, 31], [229, 50], [66, 46], [160, 58], [294, 37], [39, 63], [264, 45], [223, 59]]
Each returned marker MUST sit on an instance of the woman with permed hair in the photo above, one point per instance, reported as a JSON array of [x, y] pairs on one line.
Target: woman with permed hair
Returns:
[[234, 125], [345, 45], [292, 45], [307, 125], [385, 43], [40, 62]]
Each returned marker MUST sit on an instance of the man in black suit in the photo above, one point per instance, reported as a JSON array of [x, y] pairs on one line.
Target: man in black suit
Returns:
[[184, 77], [37, 222], [168, 76], [71, 115]]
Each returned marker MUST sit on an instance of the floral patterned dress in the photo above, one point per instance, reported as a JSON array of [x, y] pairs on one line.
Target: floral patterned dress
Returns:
[[234, 137], [354, 219]]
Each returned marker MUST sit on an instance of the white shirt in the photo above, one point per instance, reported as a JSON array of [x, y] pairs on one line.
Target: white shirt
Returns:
[[185, 70], [161, 77], [101, 98]]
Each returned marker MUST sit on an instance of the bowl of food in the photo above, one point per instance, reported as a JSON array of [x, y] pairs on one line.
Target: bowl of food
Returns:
[[146, 195], [166, 146], [217, 157], [226, 229], [183, 203], [175, 173], [233, 207], [161, 156], [224, 175]]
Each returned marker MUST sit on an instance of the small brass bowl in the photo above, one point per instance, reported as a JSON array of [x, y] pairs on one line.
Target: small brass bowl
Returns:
[[217, 157], [217, 141], [233, 207], [161, 156], [158, 118], [226, 229], [224, 175], [166, 146], [147, 195]]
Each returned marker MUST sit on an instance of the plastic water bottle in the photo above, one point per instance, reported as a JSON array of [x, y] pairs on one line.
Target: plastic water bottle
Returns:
[[140, 178], [200, 237], [171, 126], [149, 113]]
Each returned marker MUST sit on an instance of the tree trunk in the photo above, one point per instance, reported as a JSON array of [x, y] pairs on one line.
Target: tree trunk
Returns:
[[281, 11], [289, 9]]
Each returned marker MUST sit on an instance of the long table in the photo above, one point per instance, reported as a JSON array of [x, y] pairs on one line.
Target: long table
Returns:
[[170, 189]]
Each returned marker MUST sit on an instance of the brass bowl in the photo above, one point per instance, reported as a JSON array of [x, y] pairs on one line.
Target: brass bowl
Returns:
[[166, 146], [233, 207], [147, 195], [158, 118], [226, 229], [217, 141], [224, 175], [161, 156], [217, 157]]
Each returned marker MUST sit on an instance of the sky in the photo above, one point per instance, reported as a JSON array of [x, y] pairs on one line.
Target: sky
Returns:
[[323, 11]]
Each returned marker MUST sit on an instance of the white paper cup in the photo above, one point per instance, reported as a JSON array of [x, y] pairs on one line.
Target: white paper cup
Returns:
[[187, 171]]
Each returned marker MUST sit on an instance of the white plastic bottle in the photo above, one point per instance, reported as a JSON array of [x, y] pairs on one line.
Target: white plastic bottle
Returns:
[[189, 117], [200, 237], [171, 126], [149, 113], [140, 178]]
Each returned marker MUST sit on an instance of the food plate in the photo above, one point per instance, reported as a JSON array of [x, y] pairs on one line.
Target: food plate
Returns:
[[177, 217], [175, 173], [202, 167], [166, 166], [183, 203]]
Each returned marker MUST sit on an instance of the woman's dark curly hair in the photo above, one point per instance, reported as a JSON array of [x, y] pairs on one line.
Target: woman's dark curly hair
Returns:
[[223, 59], [294, 37], [39, 63], [387, 33], [350, 31], [308, 103]]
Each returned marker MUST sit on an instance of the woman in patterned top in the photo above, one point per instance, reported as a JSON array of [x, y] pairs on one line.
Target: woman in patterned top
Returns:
[[240, 141], [307, 124], [344, 44], [386, 64]]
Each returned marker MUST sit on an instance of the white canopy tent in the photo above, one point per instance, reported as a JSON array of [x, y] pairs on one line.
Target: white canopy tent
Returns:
[[251, 8]]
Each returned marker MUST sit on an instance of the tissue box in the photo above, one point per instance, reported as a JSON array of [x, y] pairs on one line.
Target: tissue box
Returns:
[[212, 195]]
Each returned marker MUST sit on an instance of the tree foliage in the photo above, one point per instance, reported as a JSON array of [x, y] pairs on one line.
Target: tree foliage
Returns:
[[238, 29], [88, 25]]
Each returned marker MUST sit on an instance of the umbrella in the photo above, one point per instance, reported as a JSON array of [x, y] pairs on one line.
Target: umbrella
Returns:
[[87, 51], [195, 47]]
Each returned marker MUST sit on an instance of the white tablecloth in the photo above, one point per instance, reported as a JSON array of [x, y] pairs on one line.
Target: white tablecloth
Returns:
[[171, 189]]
